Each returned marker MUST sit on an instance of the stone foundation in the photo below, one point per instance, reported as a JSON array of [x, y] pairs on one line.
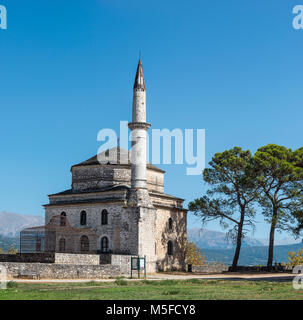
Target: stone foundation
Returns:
[[122, 261], [215, 268], [28, 257], [61, 271], [65, 266], [77, 259]]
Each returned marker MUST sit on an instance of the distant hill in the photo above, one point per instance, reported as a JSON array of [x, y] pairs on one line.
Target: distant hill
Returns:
[[209, 239], [12, 223], [218, 248]]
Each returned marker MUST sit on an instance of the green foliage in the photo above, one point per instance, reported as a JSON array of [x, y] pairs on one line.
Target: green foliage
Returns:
[[231, 176], [171, 292], [193, 255], [194, 280], [166, 282], [148, 282], [121, 282], [12, 250], [295, 258], [12, 284]]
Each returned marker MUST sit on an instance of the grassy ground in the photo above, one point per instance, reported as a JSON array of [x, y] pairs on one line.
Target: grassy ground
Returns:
[[153, 290]]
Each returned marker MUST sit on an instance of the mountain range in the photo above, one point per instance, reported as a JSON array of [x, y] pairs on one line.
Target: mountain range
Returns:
[[209, 239], [12, 223], [218, 248]]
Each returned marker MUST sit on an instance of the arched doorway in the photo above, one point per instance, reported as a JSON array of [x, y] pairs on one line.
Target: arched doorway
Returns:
[[104, 245], [84, 244], [62, 245]]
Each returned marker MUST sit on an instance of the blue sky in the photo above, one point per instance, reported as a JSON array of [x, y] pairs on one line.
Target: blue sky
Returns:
[[67, 69]]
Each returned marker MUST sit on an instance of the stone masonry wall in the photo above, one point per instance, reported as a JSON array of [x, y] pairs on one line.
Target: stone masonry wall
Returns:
[[61, 271], [177, 235], [77, 259], [123, 261], [93, 212], [28, 257], [146, 237], [97, 176], [212, 268]]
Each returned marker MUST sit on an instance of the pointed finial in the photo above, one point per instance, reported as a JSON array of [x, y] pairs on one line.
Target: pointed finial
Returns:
[[139, 80]]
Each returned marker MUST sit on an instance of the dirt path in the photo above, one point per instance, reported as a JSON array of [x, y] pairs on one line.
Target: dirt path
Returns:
[[167, 276]]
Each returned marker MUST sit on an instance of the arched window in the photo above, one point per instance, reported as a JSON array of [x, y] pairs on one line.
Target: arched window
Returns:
[[62, 245], [104, 244], [83, 218], [63, 219], [104, 217], [170, 223], [170, 250], [84, 244]]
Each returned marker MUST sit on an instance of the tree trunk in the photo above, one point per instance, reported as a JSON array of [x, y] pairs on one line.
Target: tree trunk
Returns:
[[239, 241], [271, 240]]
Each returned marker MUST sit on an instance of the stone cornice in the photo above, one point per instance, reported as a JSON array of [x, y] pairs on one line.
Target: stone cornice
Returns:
[[139, 125]]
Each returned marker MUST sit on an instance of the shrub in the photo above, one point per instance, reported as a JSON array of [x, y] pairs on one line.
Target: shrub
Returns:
[[12, 284], [12, 250], [194, 281], [295, 258], [194, 255], [121, 282], [172, 292]]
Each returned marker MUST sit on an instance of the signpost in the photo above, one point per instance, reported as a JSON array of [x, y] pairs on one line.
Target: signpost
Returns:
[[138, 264]]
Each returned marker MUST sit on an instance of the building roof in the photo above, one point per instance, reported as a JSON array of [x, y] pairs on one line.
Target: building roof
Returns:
[[139, 80], [104, 189], [33, 229], [113, 156]]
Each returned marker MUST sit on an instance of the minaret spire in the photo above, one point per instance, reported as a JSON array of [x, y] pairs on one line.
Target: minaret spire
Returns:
[[139, 80]]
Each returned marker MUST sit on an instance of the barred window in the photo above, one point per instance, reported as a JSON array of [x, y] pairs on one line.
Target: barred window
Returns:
[[104, 217], [83, 218], [63, 219], [170, 250], [62, 245]]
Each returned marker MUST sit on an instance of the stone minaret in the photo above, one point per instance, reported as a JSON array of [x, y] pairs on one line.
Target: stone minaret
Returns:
[[139, 127], [139, 215]]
